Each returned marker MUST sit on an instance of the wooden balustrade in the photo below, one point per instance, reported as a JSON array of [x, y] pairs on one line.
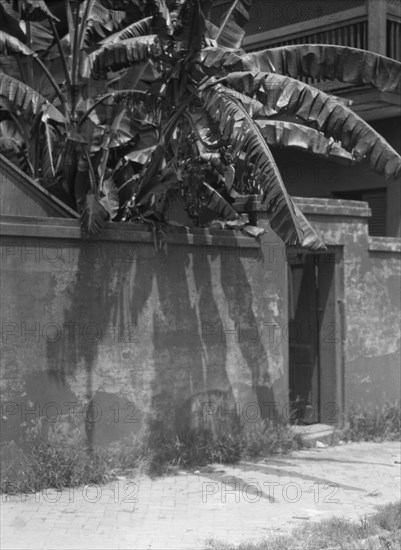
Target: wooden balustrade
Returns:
[[374, 26], [354, 35]]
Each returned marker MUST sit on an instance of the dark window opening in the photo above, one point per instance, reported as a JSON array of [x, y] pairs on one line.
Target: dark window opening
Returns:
[[377, 200]]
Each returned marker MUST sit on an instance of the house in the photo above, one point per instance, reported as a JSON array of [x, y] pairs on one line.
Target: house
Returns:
[[373, 25]]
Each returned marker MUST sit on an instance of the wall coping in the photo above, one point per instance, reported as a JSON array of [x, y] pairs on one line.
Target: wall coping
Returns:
[[311, 206], [69, 229], [390, 245], [333, 207]]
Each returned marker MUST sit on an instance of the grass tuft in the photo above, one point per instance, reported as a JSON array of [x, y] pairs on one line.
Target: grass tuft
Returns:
[[378, 532], [374, 424]]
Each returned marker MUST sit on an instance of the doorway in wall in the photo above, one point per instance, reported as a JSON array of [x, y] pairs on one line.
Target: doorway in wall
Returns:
[[315, 337]]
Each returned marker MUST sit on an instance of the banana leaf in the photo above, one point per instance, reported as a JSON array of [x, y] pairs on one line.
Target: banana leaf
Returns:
[[35, 10], [161, 22], [212, 200], [13, 147], [10, 45], [139, 28], [327, 62], [94, 216], [99, 22], [50, 149], [280, 133], [109, 197], [191, 33], [285, 95], [9, 24], [318, 61], [27, 99], [123, 54], [285, 219], [231, 32]]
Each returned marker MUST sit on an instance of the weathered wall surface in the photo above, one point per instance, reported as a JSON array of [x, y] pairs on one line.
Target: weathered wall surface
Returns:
[[373, 351], [147, 335], [371, 302], [117, 337]]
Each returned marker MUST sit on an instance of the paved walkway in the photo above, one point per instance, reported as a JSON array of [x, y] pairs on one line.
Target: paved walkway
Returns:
[[235, 503]]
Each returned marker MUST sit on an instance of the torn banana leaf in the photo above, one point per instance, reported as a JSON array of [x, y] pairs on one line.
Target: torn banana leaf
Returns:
[[285, 95], [285, 218]]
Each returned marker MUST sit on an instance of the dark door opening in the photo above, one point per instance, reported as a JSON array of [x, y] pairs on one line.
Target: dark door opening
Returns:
[[314, 339]]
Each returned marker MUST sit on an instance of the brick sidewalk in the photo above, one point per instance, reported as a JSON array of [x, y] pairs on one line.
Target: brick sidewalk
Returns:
[[231, 503]]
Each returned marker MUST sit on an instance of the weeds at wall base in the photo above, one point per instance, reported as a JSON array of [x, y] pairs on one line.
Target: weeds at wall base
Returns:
[[62, 460], [381, 423]]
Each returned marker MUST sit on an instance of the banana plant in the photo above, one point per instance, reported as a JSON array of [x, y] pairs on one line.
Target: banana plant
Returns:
[[53, 123], [164, 106]]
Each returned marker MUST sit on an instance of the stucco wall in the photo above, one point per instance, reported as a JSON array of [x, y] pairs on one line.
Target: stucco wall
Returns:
[[146, 334], [371, 302], [373, 351], [150, 336]]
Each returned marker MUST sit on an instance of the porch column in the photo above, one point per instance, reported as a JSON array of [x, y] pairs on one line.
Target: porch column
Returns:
[[393, 208], [377, 21]]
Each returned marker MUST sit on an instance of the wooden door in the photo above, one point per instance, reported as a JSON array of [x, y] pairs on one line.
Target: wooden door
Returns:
[[303, 340]]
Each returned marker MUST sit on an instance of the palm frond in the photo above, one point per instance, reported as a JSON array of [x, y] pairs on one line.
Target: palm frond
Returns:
[[285, 95], [288, 222]]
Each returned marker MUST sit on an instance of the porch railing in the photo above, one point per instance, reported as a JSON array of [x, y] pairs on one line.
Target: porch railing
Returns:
[[374, 26]]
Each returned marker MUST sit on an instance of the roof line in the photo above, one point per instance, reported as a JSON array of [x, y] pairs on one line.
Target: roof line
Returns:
[[38, 190]]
